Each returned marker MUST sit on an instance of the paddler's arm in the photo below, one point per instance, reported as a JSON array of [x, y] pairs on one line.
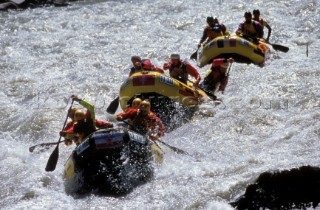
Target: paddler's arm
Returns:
[[87, 105], [194, 73]]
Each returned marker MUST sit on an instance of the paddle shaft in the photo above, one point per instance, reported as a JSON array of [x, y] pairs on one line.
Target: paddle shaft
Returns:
[[53, 159], [228, 70], [43, 145], [175, 149], [279, 47]]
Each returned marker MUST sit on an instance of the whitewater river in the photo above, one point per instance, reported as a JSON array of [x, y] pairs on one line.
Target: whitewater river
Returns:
[[270, 118]]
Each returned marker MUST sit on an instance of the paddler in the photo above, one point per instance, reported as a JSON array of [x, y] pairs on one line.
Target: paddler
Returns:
[[256, 17], [250, 29], [180, 70], [78, 115], [216, 77], [144, 121]]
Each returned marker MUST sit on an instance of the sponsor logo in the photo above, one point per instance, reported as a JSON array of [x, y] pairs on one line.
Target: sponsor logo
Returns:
[[136, 137], [244, 43], [82, 147], [111, 140], [143, 80], [167, 81]]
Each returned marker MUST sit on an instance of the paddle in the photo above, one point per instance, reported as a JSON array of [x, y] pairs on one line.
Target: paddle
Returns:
[[31, 149], [194, 55], [53, 159], [113, 106], [279, 47], [175, 149], [228, 70]]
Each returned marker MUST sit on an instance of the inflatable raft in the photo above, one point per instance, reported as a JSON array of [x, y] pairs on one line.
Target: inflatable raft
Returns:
[[157, 88], [111, 161], [173, 101], [242, 50]]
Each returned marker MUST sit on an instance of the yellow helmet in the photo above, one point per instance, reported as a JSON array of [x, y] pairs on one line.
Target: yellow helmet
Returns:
[[136, 102], [79, 115], [72, 111], [145, 105]]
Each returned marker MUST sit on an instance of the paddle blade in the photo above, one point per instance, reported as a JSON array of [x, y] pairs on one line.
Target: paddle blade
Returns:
[[112, 108], [32, 148], [53, 159], [280, 47], [194, 55]]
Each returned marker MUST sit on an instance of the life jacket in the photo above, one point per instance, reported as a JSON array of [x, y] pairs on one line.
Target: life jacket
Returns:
[[179, 73], [214, 77], [143, 123], [261, 21], [252, 29], [249, 29]]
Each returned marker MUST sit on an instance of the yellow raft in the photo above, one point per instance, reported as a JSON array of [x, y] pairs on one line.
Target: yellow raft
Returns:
[[156, 87], [240, 49]]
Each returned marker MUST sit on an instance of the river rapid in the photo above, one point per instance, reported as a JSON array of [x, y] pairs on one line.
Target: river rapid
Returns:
[[269, 119]]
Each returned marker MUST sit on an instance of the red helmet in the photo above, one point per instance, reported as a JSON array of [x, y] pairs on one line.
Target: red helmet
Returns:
[[146, 64]]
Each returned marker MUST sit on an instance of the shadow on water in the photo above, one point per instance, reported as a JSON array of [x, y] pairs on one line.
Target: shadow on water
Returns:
[[25, 4], [298, 188]]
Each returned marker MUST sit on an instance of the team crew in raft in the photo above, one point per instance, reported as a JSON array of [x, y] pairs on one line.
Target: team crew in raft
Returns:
[[144, 121], [256, 17], [216, 77], [180, 70], [250, 29], [79, 116]]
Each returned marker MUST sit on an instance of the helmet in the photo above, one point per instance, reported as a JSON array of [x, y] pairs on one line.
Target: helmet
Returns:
[[72, 111], [256, 12], [210, 19], [145, 105], [175, 56], [146, 64], [247, 15], [79, 115], [136, 102]]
